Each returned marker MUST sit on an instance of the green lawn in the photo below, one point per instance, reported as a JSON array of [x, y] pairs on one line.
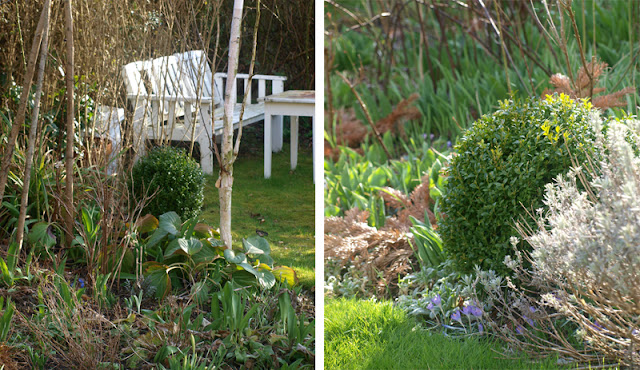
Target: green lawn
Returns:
[[373, 335], [283, 206]]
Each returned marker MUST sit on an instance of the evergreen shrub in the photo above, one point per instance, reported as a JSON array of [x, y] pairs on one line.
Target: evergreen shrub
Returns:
[[498, 176], [176, 179]]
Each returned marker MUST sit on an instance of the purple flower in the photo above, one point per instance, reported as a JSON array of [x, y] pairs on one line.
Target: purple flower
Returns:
[[519, 329], [424, 136], [430, 306], [436, 300], [455, 316], [480, 328], [467, 310], [596, 325], [476, 311], [528, 320], [432, 136], [449, 144], [532, 309]]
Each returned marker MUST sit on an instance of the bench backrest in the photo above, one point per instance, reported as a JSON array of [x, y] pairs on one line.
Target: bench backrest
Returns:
[[180, 75]]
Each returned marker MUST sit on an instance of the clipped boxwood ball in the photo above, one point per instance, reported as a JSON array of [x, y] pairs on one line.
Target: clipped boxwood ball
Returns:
[[178, 179], [498, 176]]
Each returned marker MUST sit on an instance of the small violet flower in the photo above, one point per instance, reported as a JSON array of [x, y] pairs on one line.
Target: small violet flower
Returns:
[[81, 282], [476, 311], [424, 136], [519, 329], [436, 300], [480, 328], [455, 316], [449, 144], [467, 310], [532, 309], [596, 325], [430, 306], [528, 320]]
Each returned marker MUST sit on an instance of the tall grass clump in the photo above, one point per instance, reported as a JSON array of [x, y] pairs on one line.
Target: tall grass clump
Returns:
[[499, 174]]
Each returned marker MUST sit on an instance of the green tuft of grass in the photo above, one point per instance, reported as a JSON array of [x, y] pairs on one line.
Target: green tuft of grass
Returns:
[[375, 335], [283, 206]]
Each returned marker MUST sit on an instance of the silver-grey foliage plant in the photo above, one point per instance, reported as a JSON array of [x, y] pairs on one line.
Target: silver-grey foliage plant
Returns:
[[586, 251]]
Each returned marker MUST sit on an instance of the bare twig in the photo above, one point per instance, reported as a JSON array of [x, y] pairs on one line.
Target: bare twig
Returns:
[[366, 113]]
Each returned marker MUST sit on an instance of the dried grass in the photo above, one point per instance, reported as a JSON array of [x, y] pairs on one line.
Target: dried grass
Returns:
[[83, 337]]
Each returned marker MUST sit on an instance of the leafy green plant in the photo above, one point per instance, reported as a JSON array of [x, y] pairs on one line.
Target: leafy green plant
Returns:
[[176, 180], [9, 267], [355, 180], [5, 320], [295, 328], [179, 251], [232, 315], [504, 162], [428, 244]]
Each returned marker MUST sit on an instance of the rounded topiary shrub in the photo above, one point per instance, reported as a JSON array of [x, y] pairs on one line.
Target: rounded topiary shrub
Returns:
[[176, 179], [498, 176]]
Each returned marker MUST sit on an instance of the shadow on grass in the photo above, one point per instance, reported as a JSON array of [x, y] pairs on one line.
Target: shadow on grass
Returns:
[[283, 206]]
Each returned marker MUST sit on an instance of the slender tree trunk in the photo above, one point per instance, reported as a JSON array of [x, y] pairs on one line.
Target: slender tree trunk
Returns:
[[225, 180], [34, 127], [69, 74], [22, 109]]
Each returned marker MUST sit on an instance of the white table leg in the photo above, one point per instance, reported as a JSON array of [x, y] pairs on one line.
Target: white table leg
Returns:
[[294, 142], [316, 139], [267, 145], [276, 133]]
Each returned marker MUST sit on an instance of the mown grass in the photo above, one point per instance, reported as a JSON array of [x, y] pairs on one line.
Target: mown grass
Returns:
[[283, 206], [374, 335]]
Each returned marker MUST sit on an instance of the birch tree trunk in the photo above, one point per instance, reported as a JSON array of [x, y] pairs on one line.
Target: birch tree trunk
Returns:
[[22, 109], [225, 181], [34, 126], [69, 74]]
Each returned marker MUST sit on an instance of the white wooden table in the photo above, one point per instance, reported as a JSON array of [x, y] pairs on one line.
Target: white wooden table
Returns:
[[293, 103]]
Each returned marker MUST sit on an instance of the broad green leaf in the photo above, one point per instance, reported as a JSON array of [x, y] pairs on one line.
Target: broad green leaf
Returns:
[[286, 274], [169, 224], [183, 246], [202, 231], [208, 253], [157, 275], [232, 257], [147, 224], [39, 234], [256, 245]]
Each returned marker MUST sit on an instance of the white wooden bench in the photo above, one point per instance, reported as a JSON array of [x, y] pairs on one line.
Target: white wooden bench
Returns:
[[172, 99]]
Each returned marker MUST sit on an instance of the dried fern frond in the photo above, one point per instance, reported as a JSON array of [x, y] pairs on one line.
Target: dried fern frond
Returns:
[[416, 204], [383, 255], [403, 112], [394, 198], [584, 86], [613, 99]]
